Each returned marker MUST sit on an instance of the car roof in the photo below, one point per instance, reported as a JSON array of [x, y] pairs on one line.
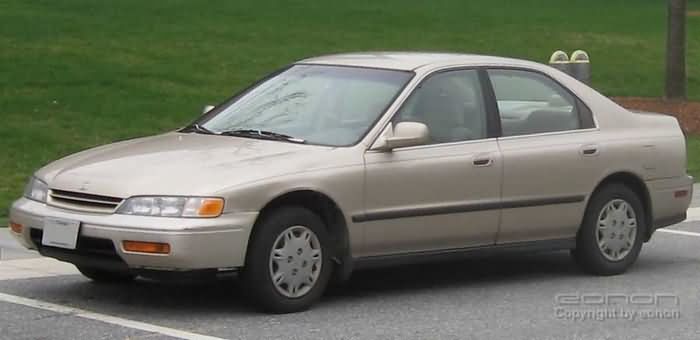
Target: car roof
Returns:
[[409, 61]]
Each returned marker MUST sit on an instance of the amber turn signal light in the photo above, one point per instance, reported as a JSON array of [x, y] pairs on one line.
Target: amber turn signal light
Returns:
[[16, 227], [146, 247], [211, 207]]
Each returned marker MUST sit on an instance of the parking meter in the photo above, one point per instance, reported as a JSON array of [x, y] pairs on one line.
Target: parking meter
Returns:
[[560, 61], [580, 66]]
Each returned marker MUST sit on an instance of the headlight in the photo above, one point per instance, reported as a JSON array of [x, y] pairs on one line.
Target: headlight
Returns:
[[172, 206], [36, 190]]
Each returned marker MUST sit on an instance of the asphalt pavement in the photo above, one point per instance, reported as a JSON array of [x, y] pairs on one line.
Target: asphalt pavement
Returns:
[[535, 296]]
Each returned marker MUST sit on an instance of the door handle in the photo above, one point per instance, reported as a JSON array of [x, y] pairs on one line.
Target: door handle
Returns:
[[589, 150], [482, 161]]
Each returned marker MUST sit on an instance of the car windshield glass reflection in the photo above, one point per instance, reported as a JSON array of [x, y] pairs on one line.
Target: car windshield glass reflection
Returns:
[[318, 104]]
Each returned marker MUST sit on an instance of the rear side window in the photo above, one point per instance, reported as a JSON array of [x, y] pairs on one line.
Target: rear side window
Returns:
[[530, 103]]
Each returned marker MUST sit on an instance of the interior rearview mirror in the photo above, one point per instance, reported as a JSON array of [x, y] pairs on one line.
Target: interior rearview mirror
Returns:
[[404, 134], [207, 108]]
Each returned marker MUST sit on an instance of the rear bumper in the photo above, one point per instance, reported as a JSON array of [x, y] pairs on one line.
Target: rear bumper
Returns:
[[194, 243], [668, 207]]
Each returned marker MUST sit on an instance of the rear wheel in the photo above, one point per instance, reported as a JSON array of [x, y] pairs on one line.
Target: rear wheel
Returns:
[[106, 276], [611, 235], [288, 264]]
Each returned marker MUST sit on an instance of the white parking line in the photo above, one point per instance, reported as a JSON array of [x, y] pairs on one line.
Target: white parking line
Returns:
[[693, 215], [18, 300], [678, 232]]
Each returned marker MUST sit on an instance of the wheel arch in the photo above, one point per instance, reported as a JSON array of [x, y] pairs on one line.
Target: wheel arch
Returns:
[[636, 184], [331, 214]]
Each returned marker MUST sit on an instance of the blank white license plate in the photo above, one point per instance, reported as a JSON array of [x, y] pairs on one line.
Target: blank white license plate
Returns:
[[60, 233]]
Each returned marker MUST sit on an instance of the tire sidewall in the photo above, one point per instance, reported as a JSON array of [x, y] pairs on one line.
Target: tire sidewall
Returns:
[[587, 242], [256, 273]]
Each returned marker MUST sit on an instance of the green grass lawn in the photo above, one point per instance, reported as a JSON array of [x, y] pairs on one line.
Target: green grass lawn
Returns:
[[74, 74]]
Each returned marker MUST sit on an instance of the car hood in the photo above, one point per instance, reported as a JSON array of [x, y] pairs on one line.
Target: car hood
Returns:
[[178, 164]]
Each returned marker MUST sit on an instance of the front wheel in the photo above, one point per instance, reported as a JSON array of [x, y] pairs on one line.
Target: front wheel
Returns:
[[288, 264], [611, 235]]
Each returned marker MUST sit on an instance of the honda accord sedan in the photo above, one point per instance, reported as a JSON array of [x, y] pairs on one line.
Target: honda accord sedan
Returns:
[[349, 161]]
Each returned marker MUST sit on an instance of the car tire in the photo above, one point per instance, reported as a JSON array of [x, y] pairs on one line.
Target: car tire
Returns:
[[288, 263], [607, 243], [105, 276]]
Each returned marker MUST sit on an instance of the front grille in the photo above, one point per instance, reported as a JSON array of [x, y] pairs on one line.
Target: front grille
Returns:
[[82, 201]]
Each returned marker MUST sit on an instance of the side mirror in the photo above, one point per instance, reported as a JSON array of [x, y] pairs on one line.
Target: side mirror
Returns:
[[404, 134], [207, 108]]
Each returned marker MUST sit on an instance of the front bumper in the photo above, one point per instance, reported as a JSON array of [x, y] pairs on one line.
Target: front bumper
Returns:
[[195, 243]]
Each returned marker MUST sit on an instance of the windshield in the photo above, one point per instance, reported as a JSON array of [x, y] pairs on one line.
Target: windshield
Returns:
[[329, 105]]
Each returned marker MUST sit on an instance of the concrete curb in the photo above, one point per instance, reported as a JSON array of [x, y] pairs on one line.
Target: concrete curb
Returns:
[[34, 267], [10, 249]]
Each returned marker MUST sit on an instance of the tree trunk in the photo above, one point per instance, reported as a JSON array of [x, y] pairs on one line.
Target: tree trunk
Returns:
[[675, 51]]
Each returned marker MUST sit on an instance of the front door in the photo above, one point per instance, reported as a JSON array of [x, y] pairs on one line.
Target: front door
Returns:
[[442, 195]]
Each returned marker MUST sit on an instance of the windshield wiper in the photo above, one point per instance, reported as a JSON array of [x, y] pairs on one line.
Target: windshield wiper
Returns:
[[196, 128], [262, 134]]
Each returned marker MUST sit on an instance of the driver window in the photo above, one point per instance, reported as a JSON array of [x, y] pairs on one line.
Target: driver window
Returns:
[[450, 104]]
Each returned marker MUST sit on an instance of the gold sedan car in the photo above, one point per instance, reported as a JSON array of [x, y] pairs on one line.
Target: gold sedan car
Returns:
[[347, 161]]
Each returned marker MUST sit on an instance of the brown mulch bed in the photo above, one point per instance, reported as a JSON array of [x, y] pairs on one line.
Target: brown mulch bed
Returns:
[[688, 113]]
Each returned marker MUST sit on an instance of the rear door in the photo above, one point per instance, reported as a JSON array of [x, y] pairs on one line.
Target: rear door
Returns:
[[549, 152]]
